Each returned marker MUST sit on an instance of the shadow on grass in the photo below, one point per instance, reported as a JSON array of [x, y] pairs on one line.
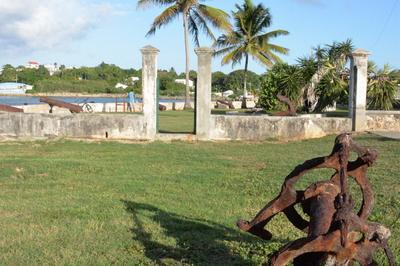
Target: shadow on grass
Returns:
[[196, 242]]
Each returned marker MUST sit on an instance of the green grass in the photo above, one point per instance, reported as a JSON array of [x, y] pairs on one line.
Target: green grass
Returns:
[[176, 121], [80, 203]]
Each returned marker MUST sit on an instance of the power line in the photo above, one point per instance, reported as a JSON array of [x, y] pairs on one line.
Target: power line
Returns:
[[386, 23]]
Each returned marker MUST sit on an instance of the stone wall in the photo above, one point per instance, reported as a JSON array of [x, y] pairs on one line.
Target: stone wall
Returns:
[[102, 126], [112, 108], [383, 120], [232, 127], [222, 127]]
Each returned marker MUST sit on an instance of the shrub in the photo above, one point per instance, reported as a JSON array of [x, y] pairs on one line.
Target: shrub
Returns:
[[76, 86]]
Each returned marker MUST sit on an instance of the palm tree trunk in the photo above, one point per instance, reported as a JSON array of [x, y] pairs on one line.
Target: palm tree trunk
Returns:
[[244, 100], [309, 89], [187, 91]]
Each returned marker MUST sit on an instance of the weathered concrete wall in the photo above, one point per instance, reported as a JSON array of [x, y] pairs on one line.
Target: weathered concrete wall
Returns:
[[97, 108], [263, 127], [112, 108], [383, 120], [113, 126]]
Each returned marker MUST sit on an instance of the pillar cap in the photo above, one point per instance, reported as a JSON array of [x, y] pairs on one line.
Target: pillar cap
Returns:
[[360, 52], [204, 50], [148, 49]]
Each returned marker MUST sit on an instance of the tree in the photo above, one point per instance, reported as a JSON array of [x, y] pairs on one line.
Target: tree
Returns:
[[250, 39], [234, 80], [382, 87], [330, 58], [218, 81], [9, 73], [196, 17], [282, 79]]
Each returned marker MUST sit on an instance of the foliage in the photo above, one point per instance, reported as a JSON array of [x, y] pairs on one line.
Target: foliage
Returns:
[[234, 81], [250, 39], [284, 79], [75, 86], [168, 86], [332, 88], [382, 87], [100, 203], [326, 65], [316, 81], [218, 81], [196, 17], [99, 79]]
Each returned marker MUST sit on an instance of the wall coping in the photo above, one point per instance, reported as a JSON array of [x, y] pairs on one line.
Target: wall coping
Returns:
[[381, 112]]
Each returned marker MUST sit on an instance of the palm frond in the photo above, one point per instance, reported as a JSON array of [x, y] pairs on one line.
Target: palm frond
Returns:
[[273, 34], [235, 56], [148, 3], [276, 48], [201, 23], [194, 30], [164, 18], [217, 17], [224, 50]]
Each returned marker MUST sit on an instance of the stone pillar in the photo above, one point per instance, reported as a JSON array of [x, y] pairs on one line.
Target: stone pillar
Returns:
[[203, 92], [358, 89], [149, 88]]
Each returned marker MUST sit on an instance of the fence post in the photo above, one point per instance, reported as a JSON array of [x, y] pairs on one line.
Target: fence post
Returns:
[[358, 89], [203, 92], [149, 87]]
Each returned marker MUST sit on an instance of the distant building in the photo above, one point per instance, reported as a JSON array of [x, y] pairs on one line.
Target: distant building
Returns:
[[121, 86], [134, 79], [32, 65], [14, 88], [52, 68], [183, 81]]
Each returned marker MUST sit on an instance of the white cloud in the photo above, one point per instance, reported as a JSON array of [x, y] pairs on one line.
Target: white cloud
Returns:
[[29, 25]]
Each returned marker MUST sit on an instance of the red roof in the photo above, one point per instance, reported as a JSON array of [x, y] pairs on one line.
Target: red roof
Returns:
[[33, 63]]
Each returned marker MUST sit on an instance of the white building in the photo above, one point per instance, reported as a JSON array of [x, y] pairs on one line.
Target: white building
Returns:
[[52, 68], [133, 80], [121, 86], [32, 65], [14, 88], [183, 81]]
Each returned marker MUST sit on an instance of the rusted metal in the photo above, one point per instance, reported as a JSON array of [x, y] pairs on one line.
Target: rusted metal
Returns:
[[291, 107], [11, 109], [335, 233], [53, 102]]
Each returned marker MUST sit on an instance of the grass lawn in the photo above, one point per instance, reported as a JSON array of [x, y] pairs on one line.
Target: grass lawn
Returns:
[[69, 202], [176, 121]]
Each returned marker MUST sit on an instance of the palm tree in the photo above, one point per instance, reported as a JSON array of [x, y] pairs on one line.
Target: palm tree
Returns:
[[382, 87], [250, 39], [196, 17], [330, 58]]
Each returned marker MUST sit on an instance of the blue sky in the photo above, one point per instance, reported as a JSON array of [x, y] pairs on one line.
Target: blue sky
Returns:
[[85, 32]]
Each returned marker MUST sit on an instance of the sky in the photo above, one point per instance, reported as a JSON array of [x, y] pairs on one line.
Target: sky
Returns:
[[88, 32]]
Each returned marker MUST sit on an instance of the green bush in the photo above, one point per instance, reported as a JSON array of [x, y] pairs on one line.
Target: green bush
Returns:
[[284, 79], [382, 88], [75, 86]]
